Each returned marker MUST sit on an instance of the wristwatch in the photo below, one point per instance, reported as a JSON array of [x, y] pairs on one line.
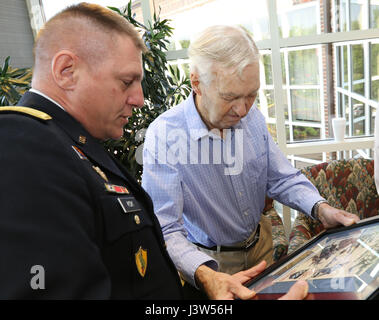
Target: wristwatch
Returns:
[[315, 208]]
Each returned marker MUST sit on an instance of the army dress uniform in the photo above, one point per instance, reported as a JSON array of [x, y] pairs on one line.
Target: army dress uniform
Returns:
[[74, 212]]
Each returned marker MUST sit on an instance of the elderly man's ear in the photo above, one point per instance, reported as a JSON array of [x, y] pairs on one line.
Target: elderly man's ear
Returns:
[[64, 69], [195, 83]]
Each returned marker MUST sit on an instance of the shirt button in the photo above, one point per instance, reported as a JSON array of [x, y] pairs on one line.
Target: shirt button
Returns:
[[246, 213], [240, 194]]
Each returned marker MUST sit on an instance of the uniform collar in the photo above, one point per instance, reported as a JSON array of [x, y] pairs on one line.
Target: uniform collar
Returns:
[[46, 97], [91, 146]]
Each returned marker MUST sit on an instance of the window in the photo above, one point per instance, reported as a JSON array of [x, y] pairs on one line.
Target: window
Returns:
[[319, 60], [319, 76], [192, 16]]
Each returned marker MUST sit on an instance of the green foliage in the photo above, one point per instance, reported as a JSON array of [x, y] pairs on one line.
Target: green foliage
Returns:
[[163, 85], [306, 133], [13, 83]]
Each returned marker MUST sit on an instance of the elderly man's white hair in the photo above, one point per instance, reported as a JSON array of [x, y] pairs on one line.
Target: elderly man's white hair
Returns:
[[221, 46]]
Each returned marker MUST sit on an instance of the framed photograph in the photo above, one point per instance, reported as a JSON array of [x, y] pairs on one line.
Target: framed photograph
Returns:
[[341, 263]]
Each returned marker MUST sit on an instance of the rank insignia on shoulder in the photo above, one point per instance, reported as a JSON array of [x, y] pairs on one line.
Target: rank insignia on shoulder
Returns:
[[116, 189], [141, 261], [80, 153], [100, 173], [26, 111]]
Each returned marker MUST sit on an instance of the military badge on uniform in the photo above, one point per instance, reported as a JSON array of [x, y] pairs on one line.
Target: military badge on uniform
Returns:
[[141, 261], [80, 153], [82, 139], [116, 189], [137, 219], [100, 173]]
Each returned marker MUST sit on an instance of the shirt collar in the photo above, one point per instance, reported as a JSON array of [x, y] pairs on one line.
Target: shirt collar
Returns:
[[46, 97], [196, 125]]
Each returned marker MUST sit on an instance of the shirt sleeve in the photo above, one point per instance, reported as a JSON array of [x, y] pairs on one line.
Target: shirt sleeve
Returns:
[[162, 181], [287, 184]]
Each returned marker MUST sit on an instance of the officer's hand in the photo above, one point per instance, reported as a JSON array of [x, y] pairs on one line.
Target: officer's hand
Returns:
[[332, 217], [222, 286]]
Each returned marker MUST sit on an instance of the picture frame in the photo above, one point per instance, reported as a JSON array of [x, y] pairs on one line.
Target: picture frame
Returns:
[[338, 264]]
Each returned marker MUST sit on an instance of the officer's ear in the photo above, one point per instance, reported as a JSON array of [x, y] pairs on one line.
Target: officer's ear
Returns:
[[195, 83], [63, 67]]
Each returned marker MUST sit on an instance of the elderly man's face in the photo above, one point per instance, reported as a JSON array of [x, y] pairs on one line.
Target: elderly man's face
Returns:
[[229, 97], [109, 92]]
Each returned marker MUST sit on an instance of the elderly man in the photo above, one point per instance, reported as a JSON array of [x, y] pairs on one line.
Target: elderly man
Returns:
[[73, 223], [210, 161]]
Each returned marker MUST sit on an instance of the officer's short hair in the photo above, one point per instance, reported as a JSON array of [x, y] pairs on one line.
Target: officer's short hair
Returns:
[[95, 17]]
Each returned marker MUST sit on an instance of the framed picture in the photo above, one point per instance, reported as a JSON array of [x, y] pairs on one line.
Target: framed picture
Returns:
[[341, 263]]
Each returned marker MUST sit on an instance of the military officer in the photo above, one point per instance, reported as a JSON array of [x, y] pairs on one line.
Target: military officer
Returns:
[[73, 223]]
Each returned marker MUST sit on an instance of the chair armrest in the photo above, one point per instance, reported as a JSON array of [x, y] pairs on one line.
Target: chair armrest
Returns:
[[304, 228]]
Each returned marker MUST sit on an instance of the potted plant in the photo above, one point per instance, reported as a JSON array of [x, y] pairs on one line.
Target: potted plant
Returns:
[[13, 83], [163, 85]]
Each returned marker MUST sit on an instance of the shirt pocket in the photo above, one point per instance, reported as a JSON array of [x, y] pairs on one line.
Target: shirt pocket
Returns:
[[122, 215], [257, 167]]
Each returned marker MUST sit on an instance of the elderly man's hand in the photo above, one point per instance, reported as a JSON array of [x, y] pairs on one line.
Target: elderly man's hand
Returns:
[[222, 286], [331, 217]]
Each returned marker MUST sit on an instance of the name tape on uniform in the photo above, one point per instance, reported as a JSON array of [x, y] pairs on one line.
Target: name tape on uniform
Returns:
[[129, 204]]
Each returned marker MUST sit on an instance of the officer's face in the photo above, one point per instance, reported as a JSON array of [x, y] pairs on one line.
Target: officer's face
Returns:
[[229, 97], [111, 90]]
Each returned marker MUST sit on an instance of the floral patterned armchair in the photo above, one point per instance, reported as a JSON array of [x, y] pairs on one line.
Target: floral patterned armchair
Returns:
[[346, 184], [280, 241]]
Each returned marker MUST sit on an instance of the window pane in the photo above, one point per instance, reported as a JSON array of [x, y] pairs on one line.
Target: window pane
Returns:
[[305, 133], [284, 68], [192, 16], [340, 15], [372, 117], [345, 104], [303, 67], [358, 69], [266, 104], [266, 58], [358, 118], [305, 105], [53, 7], [375, 90], [356, 13], [374, 12], [375, 72], [288, 134], [344, 67], [297, 18], [272, 129]]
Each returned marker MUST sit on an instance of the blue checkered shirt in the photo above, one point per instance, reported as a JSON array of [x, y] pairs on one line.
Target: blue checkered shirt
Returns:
[[210, 190]]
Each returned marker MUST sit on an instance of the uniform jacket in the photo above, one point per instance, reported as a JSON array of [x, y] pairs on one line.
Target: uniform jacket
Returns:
[[73, 223]]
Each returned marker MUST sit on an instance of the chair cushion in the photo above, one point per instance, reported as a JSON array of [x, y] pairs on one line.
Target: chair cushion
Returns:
[[347, 185]]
